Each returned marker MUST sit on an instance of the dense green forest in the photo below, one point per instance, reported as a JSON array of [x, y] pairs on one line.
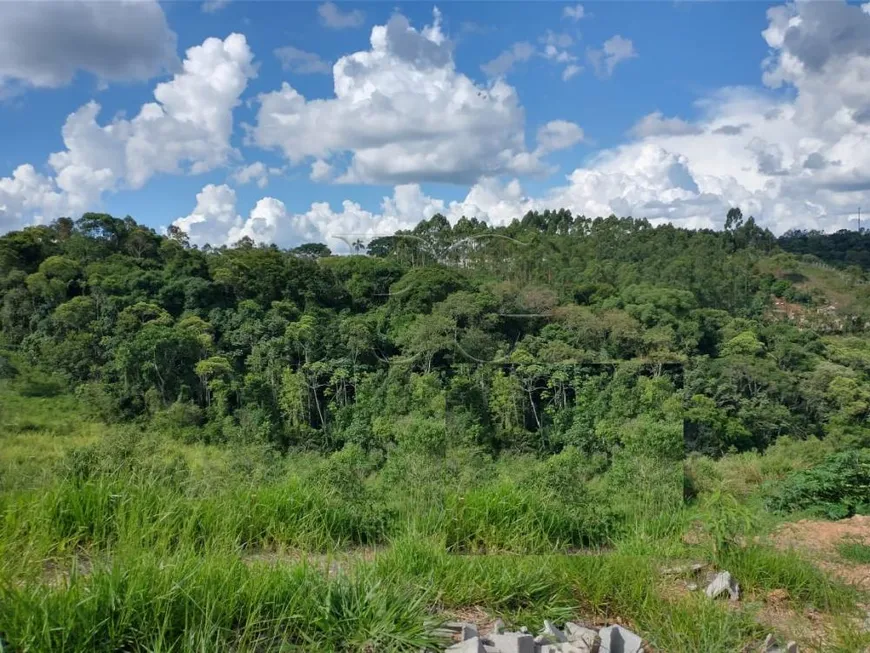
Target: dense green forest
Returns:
[[553, 331], [254, 449]]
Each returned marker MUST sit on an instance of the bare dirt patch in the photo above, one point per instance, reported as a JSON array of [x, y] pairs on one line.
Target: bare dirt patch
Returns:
[[820, 540], [810, 628], [58, 572], [331, 563]]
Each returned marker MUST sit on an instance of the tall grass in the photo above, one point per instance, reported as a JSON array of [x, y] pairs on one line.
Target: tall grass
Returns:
[[149, 511], [109, 512], [186, 602], [761, 569], [505, 517], [118, 539], [131, 489]]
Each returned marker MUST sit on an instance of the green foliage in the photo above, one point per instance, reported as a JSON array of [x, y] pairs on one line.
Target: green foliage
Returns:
[[838, 487], [506, 517], [195, 603], [551, 326], [36, 383], [8, 370], [743, 344], [726, 521], [170, 545], [761, 569], [647, 435], [181, 419], [531, 388]]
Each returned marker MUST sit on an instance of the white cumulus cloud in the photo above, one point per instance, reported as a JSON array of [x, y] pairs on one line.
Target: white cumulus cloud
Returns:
[[28, 194], [404, 113], [216, 221], [186, 129], [321, 171], [257, 172], [558, 135], [797, 161], [44, 44]]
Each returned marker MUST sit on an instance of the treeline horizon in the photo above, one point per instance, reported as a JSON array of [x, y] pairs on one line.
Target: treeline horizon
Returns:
[[554, 331]]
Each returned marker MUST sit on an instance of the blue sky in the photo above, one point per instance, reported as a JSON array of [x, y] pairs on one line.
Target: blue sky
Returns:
[[672, 111]]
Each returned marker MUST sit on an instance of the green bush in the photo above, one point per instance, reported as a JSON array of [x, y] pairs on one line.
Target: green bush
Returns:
[[837, 488], [181, 419], [112, 512], [97, 400], [8, 370], [38, 384]]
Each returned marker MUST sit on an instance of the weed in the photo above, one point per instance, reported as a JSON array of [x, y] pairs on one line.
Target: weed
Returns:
[[855, 552], [761, 569], [726, 522]]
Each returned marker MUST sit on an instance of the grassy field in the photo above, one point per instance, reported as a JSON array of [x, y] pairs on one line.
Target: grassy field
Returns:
[[124, 538]]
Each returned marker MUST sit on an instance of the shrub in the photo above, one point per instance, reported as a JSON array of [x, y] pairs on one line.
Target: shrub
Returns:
[[700, 476], [97, 400], [7, 367], [39, 384], [253, 425], [564, 475], [181, 420], [649, 436], [726, 521], [837, 488]]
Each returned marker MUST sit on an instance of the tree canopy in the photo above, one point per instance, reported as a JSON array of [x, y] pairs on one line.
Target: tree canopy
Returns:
[[554, 330]]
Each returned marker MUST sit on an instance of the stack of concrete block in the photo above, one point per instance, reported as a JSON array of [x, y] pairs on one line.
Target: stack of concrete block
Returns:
[[573, 638]]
